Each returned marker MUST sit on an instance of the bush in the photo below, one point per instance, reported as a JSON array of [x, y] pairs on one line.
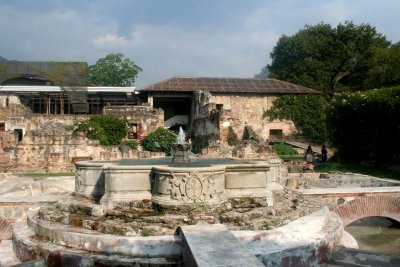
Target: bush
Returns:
[[365, 126], [160, 140], [284, 149], [108, 130], [232, 137], [132, 144]]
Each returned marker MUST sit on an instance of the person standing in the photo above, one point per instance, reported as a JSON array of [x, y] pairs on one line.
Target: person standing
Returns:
[[309, 156], [324, 154]]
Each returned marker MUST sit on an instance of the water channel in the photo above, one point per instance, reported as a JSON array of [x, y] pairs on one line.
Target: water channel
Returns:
[[376, 234]]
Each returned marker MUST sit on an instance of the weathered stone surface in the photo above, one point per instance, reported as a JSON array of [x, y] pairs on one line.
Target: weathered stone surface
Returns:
[[214, 245]]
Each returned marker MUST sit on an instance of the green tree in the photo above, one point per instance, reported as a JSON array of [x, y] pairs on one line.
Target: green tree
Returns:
[[385, 68], [114, 70], [306, 112], [325, 58]]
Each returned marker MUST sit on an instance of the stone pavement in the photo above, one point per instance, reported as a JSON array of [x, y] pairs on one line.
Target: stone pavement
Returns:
[[214, 245]]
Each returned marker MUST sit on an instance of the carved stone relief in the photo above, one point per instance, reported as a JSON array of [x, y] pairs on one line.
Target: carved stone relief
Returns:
[[192, 187]]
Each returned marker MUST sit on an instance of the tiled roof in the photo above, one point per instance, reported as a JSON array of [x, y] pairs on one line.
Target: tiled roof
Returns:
[[227, 85]]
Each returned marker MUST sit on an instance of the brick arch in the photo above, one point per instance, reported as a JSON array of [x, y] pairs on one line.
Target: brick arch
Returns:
[[382, 205], [5, 229]]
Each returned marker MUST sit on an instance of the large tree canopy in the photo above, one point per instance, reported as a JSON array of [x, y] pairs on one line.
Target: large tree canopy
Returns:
[[114, 70], [329, 59]]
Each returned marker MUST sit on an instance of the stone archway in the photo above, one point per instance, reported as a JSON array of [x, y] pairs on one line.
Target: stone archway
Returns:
[[382, 205]]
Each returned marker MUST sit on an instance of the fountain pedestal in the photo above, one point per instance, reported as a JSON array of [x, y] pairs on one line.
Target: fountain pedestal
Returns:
[[181, 153]]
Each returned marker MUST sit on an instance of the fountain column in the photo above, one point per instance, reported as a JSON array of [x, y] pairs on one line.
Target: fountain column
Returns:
[[181, 149]]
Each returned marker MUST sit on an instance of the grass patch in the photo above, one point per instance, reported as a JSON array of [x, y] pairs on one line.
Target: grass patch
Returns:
[[291, 157], [48, 174], [357, 168], [284, 149]]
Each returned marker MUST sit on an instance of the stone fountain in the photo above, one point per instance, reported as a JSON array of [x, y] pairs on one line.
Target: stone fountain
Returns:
[[181, 148], [147, 212]]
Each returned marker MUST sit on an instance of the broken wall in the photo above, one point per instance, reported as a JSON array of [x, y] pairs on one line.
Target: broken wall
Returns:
[[241, 110], [205, 124], [142, 119]]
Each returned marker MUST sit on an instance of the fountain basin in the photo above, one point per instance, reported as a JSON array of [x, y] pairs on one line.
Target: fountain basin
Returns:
[[166, 183], [245, 180], [184, 186], [89, 178], [126, 184]]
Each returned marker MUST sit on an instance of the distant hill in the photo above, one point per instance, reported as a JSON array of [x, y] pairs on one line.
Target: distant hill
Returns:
[[3, 59]]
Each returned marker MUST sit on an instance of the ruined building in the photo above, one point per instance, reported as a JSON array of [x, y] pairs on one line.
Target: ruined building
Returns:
[[40, 100], [210, 106]]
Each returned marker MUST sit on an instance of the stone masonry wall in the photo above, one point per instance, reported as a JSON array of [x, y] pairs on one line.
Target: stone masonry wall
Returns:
[[47, 145], [239, 111], [205, 121], [146, 118]]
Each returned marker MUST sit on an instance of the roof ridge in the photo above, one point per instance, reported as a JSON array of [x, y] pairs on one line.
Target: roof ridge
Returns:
[[228, 84]]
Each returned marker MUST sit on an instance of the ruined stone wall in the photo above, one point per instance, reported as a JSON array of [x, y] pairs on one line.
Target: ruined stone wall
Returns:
[[145, 118], [205, 123], [57, 151], [48, 143], [241, 110]]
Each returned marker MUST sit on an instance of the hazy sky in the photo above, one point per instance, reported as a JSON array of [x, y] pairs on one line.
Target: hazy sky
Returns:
[[224, 38]]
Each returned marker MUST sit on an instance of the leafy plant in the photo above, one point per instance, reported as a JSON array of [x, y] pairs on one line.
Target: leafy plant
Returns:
[[284, 149], [107, 129], [306, 112], [132, 144], [232, 137], [365, 126], [145, 233], [160, 140], [268, 226]]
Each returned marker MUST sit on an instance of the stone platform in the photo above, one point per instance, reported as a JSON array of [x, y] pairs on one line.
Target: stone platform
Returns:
[[305, 242]]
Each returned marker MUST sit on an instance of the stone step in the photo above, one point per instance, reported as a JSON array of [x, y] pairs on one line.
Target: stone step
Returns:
[[205, 245], [29, 248]]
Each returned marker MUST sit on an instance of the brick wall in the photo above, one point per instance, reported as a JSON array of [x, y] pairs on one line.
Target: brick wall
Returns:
[[378, 204]]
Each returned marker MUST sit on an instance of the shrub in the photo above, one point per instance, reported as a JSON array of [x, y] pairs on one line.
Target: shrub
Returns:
[[365, 126], [284, 149], [232, 137], [108, 130], [132, 144], [160, 140]]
